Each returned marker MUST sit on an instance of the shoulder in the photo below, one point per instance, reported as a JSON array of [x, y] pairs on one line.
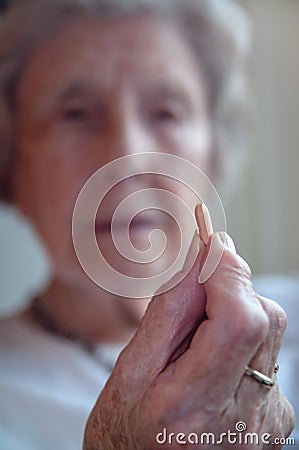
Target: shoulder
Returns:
[[47, 387]]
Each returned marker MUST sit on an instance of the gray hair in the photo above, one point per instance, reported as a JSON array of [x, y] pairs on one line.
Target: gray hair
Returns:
[[217, 30]]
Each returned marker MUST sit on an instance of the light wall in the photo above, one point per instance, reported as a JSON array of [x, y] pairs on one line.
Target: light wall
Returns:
[[263, 213]]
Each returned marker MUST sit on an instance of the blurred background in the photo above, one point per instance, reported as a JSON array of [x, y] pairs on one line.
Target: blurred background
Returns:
[[262, 212]]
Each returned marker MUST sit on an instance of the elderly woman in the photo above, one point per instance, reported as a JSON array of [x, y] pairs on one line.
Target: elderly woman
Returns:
[[83, 83]]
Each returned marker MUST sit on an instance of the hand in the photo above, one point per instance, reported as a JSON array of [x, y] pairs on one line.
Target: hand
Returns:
[[183, 371]]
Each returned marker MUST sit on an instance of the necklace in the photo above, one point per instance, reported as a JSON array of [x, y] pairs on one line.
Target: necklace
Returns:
[[45, 321]]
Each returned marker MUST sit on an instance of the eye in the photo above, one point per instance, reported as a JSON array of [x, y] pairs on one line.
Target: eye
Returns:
[[164, 115], [75, 113]]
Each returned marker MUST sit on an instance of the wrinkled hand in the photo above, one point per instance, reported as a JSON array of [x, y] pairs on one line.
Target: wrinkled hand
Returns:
[[184, 368]]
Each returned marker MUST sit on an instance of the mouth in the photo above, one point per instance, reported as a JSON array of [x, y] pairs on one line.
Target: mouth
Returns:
[[104, 226]]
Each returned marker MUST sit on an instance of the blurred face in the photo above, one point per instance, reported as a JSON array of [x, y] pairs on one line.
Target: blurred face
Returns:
[[94, 92]]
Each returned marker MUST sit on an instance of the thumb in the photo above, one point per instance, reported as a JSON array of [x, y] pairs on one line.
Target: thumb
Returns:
[[225, 275], [236, 322]]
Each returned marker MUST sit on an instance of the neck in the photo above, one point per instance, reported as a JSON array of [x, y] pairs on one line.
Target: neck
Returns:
[[91, 315]]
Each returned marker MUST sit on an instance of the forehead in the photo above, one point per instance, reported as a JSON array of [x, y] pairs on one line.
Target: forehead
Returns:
[[109, 51]]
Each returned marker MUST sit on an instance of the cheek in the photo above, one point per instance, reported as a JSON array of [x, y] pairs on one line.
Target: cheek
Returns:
[[46, 189], [47, 193]]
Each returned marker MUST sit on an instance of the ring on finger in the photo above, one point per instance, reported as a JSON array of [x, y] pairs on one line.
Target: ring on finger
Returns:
[[259, 377]]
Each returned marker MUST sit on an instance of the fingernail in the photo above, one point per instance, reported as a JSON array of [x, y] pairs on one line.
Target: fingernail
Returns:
[[204, 222], [227, 241]]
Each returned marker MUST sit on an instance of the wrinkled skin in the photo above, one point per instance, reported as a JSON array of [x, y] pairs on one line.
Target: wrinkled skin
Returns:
[[167, 378]]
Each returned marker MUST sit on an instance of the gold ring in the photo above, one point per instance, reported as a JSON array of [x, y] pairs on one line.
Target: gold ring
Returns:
[[276, 368], [259, 377]]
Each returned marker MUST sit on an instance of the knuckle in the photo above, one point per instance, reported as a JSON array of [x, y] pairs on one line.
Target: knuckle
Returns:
[[277, 316], [258, 325], [288, 416], [291, 421], [250, 326], [237, 265]]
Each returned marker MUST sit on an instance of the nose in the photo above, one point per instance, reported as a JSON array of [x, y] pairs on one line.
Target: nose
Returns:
[[127, 133]]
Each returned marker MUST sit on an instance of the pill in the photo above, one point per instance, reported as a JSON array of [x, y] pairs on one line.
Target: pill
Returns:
[[204, 222]]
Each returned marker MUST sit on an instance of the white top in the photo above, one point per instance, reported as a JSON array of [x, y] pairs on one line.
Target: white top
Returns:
[[48, 384]]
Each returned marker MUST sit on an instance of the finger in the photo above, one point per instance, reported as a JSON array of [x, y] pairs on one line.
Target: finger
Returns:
[[235, 327], [267, 355], [264, 361], [166, 325], [265, 358]]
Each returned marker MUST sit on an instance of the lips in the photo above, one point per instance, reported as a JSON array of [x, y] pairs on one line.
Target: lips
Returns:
[[104, 226]]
